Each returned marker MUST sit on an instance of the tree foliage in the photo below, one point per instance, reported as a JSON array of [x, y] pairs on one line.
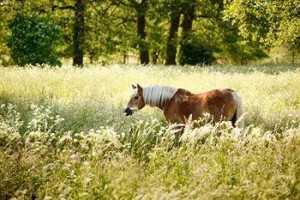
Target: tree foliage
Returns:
[[158, 31], [193, 52], [33, 40], [267, 22]]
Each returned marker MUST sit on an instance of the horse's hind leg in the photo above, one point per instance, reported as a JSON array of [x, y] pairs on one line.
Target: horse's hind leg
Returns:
[[233, 119]]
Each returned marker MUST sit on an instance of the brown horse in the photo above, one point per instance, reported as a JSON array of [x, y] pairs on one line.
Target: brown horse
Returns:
[[179, 104]]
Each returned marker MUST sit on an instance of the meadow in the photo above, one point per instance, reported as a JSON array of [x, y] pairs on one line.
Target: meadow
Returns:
[[63, 135]]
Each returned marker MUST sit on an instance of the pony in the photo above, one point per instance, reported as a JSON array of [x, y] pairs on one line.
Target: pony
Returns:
[[179, 105]]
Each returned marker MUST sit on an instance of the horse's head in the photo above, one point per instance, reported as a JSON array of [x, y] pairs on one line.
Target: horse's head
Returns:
[[136, 101]]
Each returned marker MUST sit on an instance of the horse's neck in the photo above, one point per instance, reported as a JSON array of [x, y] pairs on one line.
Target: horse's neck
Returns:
[[158, 95]]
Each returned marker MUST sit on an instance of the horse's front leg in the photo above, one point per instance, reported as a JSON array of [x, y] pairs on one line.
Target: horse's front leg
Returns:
[[177, 124], [177, 129]]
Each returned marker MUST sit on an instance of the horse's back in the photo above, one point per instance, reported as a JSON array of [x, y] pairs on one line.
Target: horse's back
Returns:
[[218, 96], [219, 103]]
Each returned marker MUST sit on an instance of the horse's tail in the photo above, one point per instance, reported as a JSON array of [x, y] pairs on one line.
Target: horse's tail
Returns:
[[238, 118]]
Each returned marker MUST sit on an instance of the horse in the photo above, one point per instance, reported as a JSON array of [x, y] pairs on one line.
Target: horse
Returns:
[[179, 105]]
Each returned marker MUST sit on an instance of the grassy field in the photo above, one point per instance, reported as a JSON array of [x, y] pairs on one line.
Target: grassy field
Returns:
[[63, 135]]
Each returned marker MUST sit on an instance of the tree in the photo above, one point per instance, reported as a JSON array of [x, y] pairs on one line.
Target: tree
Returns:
[[78, 30], [205, 37], [269, 23], [41, 7], [33, 40], [78, 33], [186, 56], [140, 8], [172, 41], [184, 31]]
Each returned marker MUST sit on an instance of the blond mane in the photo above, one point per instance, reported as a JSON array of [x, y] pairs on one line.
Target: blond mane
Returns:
[[157, 95]]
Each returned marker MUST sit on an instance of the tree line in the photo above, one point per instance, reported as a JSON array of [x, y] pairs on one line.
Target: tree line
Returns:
[[156, 31]]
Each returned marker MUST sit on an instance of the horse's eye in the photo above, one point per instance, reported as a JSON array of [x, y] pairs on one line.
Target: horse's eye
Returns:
[[136, 97]]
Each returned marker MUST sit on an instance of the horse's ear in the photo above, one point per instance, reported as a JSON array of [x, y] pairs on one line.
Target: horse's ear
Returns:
[[133, 86], [140, 89]]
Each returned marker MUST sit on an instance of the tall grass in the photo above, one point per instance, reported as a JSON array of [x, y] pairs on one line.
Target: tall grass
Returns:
[[63, 135]]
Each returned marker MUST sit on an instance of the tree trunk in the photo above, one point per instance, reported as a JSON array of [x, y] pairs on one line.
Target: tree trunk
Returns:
[[78, 34], [187, 24], [172, 38], [188, 18], [141, 24]]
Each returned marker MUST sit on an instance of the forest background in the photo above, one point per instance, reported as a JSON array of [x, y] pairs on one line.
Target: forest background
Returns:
[[185, 32]]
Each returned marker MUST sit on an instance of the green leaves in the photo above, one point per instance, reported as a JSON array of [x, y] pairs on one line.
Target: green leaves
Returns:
[[231, 31], [33, 40], [267, 22]]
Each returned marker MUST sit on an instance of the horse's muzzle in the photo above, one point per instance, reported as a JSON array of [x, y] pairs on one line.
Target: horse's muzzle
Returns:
[[128, 111]]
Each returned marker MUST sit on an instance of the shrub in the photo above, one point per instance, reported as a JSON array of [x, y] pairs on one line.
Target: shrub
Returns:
[[33, 40], [195, 53]]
